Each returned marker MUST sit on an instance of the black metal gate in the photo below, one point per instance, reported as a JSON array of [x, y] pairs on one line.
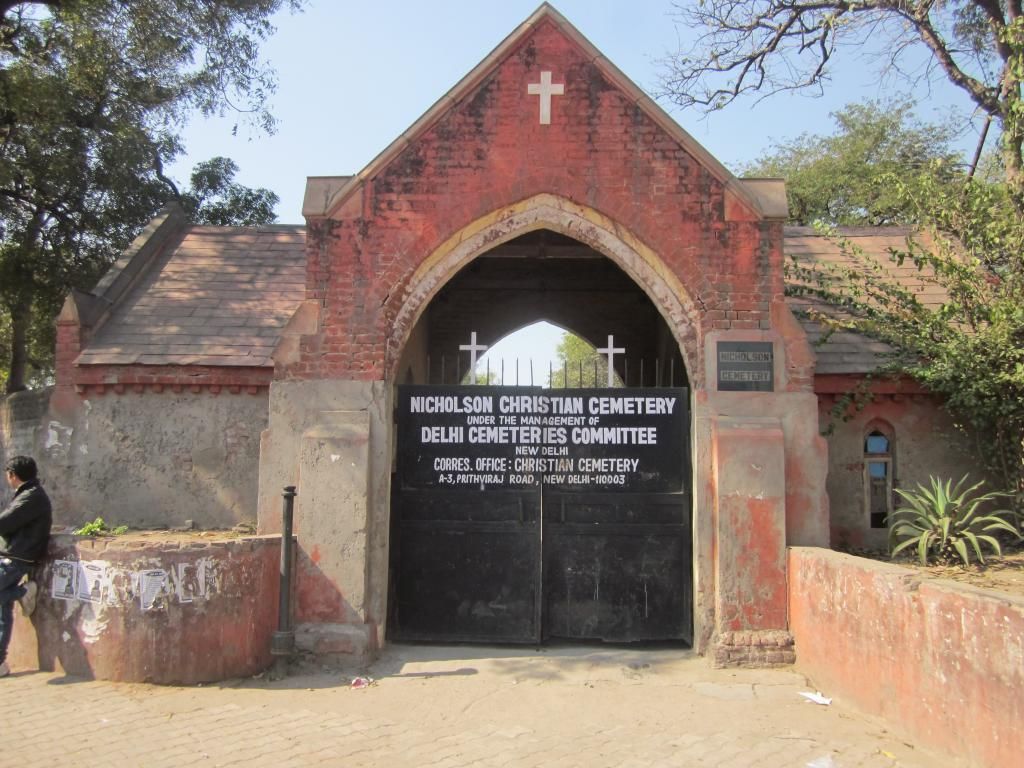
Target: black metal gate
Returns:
[[522, 514]]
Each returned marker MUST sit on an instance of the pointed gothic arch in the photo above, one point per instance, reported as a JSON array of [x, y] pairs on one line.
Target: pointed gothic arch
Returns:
[[587, 225]]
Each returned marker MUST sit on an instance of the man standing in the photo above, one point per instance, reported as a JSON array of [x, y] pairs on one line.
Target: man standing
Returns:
[[24, 533]]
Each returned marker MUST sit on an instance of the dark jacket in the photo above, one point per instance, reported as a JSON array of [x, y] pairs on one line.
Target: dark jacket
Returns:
[[25, 523]]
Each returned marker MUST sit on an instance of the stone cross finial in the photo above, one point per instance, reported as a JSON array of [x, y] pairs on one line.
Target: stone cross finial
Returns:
[[472, 348], [545, 89], [610, 351]]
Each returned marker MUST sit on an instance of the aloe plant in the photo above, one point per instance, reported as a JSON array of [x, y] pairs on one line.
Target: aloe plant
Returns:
[[943, 519]]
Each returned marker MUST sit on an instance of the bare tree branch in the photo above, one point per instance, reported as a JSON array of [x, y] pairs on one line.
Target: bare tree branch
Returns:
[[985, 97], [763, 47], [741, 38]]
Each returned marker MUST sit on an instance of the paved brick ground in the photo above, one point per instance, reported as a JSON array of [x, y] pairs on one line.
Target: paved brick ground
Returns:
[[440, 707]]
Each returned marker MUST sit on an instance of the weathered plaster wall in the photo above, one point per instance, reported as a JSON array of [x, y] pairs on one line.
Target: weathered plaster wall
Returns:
[[741, 528], [145, 460], [133, 609], [750, 533], [332, 439], [720, 475], [925, 443], [22, 420], [941, 661]]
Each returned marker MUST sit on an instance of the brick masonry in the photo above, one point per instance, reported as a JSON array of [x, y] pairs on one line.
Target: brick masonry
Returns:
[[488, 151], [770, 648]]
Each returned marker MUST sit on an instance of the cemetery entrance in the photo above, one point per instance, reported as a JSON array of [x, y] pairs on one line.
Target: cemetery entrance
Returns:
[[522, 514]]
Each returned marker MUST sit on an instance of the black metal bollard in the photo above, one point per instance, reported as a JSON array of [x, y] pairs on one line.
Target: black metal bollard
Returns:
[[283, 642]]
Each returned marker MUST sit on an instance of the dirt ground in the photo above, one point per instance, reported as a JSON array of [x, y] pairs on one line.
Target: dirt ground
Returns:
[[1004, 573]]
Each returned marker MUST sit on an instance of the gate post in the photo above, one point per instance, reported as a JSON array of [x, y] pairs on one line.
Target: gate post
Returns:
[[750, 568]]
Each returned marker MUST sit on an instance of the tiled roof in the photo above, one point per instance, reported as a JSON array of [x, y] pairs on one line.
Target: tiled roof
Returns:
[[219, 297], [850, 352]]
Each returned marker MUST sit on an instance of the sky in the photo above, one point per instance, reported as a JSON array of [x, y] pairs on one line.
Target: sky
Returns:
[[354, 74]]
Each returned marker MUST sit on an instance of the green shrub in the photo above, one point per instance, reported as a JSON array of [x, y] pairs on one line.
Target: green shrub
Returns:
[[99, 528], [942, 520]]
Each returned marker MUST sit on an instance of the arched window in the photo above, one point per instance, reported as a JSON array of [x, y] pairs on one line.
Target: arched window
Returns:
[[878, 474]]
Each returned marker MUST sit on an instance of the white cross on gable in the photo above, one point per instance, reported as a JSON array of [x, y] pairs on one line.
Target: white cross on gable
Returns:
[[611, 351], [472, 348], [545, 89]]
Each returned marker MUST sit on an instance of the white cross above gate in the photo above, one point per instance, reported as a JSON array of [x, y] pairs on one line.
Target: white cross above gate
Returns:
[[473, 348], [610, 351], [545, 89]]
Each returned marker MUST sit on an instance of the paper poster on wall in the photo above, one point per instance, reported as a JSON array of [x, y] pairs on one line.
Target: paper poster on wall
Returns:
[[190, 581], [92, 581], [63, 582], [152, 584]]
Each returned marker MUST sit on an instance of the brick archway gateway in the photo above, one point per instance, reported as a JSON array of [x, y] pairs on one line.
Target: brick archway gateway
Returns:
[[513, 563], [742, 520], [546, 134], [587, 225]]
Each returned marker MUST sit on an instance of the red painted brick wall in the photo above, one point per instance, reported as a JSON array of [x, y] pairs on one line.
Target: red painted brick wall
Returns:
[[488, 151], [940, 661]]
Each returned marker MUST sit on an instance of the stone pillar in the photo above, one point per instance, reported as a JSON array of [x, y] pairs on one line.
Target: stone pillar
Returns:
[[333, 441], [334, 478], [750, 535]]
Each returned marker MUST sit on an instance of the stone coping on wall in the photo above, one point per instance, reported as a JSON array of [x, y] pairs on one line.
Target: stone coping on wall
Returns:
[[160, 606], [941, 661], [161, 538]]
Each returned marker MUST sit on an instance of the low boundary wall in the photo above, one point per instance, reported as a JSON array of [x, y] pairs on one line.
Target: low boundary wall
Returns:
[[941, 661], [158, 609]]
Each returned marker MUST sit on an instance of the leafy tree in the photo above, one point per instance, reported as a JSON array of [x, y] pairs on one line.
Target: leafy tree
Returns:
[[970, 350], [842, 179], [764, 47], [581, 366], [92, 96], [215, 197]]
